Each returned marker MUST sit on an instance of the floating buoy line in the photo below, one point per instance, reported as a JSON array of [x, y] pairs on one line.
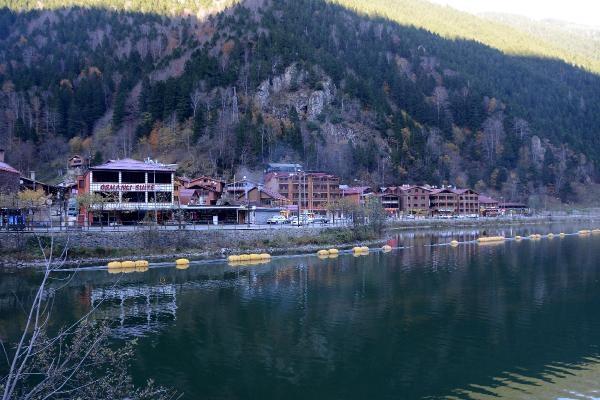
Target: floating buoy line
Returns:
[[131, 266]]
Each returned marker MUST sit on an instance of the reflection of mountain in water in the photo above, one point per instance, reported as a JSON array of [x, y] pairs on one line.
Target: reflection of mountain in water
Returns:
[[558, 381], [136, 311]]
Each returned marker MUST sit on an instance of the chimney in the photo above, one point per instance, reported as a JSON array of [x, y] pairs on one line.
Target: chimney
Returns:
[[1, 155]]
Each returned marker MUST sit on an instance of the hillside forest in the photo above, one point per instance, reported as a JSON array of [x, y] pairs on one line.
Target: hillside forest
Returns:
[[380, 93]]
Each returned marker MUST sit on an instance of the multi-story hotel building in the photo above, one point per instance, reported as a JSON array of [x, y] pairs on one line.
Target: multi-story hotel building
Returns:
[[467, 202], [443, 202], [414, 199], [131, 187], [450, 201], [312, 190]]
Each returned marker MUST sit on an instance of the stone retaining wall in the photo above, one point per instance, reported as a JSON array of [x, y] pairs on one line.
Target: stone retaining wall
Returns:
[[154, 239]]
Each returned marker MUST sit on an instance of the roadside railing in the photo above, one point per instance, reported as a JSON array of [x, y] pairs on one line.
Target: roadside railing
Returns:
[[56, 226]]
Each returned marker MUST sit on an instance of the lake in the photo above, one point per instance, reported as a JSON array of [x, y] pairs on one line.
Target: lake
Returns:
[[511, 320]]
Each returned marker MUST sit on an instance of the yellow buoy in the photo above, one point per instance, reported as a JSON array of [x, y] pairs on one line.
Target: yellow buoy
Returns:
[[333, 251], [535, 236], [128, 264], [233, 258], [182, 266], [323, 252], [518, 238], [245, 257], [490, 239], [255, 257], [182, 261], [357, 249], [454, 243], [141, 263], [115, 270], [333, 255], [114, 264], [265, 256], [141, 269], [550, 235], [364, 249], [562, 234], [323, 256]]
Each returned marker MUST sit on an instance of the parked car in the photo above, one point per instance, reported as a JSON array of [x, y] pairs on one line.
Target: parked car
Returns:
[[320, 220], [277, 220], [297, 222], [303, 220]]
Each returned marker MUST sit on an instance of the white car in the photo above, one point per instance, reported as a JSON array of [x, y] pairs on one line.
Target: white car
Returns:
[[301, 221], [296, 221], [277, 220]]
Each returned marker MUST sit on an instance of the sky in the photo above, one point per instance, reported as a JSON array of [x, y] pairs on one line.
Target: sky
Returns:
[[586, 12]]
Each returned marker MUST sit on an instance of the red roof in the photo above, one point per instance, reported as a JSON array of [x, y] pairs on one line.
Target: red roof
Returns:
[[356, 190], [486, 200], [186, 195], [463, 191], [129, 164], [7, 168], [437, 191], [274, 195]]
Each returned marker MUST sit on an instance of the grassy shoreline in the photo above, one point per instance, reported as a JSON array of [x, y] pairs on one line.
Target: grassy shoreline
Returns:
[[279, 244]]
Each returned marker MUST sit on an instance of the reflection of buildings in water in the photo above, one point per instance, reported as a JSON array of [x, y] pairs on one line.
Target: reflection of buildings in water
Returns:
[[137, 310]]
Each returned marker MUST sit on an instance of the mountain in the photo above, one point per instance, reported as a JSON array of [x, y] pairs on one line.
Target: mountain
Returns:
[[580, 41], [385, 91]]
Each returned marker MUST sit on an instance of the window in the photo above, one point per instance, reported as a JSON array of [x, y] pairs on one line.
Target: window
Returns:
[[133, 177], [159, 177], [134, 197], [111, 197], [159, 197], [105, 176]]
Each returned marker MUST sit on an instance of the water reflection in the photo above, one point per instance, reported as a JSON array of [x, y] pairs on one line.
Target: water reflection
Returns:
[[557, 381], [514, 320], [135, 311]]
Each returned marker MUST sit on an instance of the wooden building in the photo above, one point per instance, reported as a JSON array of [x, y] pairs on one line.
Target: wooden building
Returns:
[[443, 202], [261, 197], [414, 199], [467, 202], [488, 207], [392, 203], [356, 194], [206, 182], [9, 177]]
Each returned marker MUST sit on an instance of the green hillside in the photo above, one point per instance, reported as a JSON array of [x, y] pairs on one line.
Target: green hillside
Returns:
[[580, 42], [385, 92]]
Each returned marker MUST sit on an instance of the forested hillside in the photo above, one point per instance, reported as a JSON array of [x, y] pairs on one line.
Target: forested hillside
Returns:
[[385, 92], [582, 42]]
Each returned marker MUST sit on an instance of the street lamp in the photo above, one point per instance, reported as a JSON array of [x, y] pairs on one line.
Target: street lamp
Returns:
[[245, 183]]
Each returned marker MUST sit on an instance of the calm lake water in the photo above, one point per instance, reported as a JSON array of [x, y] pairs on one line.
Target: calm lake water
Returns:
[[515, 320]]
